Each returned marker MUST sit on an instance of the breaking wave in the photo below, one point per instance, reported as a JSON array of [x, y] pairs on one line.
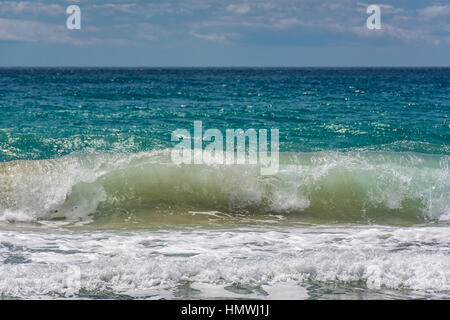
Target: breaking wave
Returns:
[[325, 187]]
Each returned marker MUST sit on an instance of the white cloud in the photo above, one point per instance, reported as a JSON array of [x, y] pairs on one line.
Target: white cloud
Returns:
[[238, 8], [257, 22], [9, 8], [288, 22], [34, 31], [119, 7], [385, 8], [434, 11], [222, 38], [218, 21]]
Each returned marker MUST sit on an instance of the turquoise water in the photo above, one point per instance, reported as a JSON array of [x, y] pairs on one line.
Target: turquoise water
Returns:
[[359, 207], [48, 113]]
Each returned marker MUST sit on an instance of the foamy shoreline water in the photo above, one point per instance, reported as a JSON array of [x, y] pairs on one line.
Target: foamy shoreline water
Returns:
[[258, 262]]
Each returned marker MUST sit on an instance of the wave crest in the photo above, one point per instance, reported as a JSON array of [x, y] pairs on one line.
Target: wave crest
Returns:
[[324, 187]]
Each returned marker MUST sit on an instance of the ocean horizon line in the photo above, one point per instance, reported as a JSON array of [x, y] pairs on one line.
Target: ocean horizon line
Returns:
[[226, 67]]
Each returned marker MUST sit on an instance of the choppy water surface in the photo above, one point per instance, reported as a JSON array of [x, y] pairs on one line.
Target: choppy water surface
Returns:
[[92, 206]]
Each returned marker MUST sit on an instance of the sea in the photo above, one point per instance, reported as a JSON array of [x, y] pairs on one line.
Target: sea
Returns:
[[92, 205]]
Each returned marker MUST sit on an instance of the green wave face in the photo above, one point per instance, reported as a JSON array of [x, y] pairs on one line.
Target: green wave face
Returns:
[[147, 188], [359, 208]]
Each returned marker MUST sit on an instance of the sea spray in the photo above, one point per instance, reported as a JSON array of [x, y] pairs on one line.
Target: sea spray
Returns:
[[324, 187]]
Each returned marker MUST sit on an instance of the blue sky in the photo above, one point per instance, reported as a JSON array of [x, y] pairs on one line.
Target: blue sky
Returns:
[[225, 33]]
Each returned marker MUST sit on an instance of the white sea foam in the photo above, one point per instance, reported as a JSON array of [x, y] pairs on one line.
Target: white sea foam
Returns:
[[246, 263]]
